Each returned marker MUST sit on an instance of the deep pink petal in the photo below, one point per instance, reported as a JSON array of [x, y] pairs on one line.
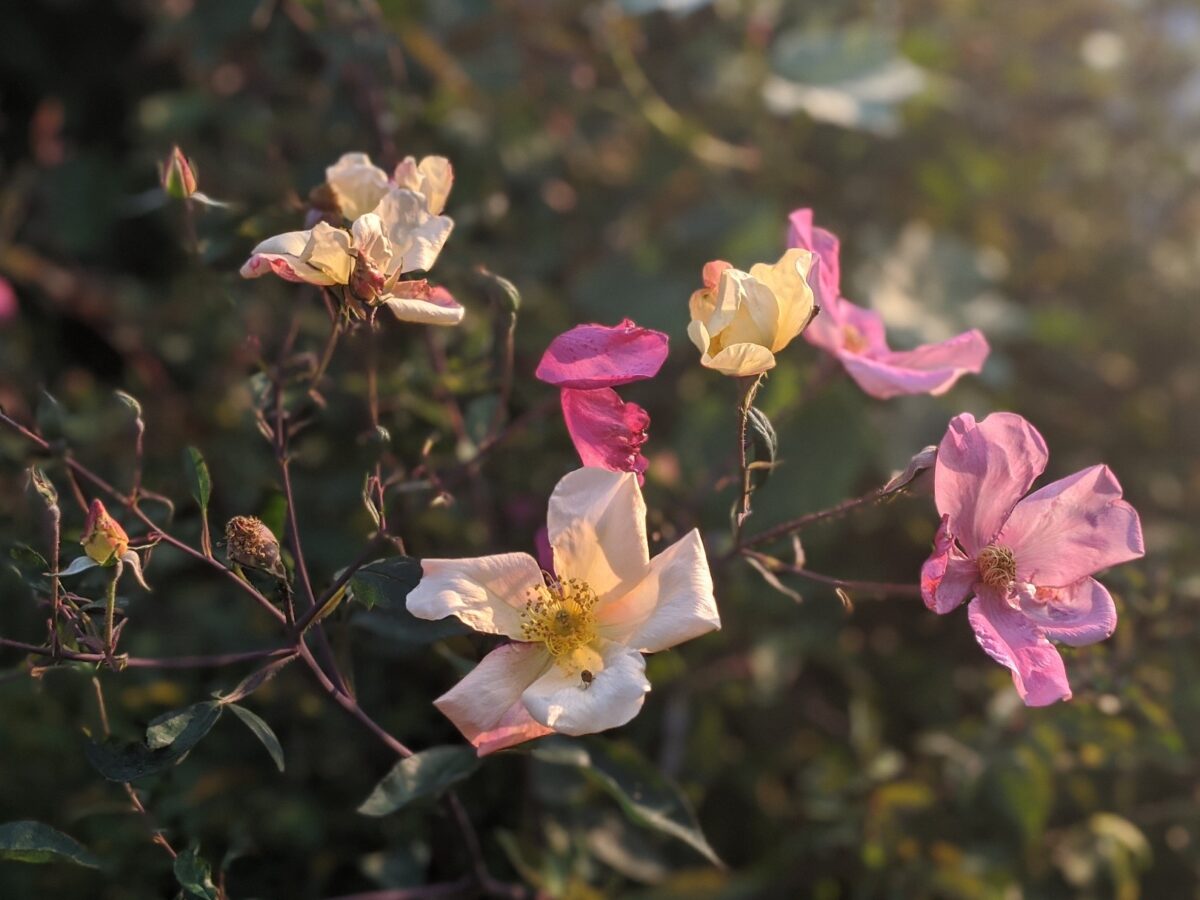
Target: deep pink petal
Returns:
[[607, 432], [711, 273], [964, 352], [1014, 641], [1072, 528], [983, 469], [9, 308], [801, 233], [1079, 614], [947, 577], [599, 356]]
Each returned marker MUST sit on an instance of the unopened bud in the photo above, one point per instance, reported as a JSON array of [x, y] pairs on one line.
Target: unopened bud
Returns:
[[249, 542], [104, 540], [177, 176]]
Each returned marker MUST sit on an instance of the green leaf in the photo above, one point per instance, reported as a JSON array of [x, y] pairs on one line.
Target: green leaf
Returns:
[[44, 487], [645, 796], [255, 680], [195, 875], [82, 564], [198, 478], [423, 775], [764, 441], [385, 582], [168, 739], [262, 731], [34, 842]]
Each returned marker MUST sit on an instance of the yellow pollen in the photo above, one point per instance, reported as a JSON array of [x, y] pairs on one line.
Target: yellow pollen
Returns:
[[562, 616], [853, 339], [997, 566]]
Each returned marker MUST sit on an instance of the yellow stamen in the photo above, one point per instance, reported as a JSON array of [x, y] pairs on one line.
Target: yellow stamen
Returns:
[[561, 615], [997, 566]]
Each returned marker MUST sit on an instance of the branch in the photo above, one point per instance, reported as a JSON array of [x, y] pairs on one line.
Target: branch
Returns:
[[878, 588], [147, 662]]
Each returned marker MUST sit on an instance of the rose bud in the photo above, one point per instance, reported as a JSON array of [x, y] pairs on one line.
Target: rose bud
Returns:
[[177, 176], [104, 540]]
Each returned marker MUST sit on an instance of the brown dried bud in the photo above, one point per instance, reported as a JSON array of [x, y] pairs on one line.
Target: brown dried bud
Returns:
[[249, 542], [104, 540], [367, 283]]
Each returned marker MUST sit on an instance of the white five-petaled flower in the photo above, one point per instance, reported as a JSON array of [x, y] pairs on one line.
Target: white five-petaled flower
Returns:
[[396, 228], [575, 664]]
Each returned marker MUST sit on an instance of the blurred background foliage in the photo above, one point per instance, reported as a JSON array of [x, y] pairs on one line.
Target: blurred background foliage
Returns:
[[1029, 169]]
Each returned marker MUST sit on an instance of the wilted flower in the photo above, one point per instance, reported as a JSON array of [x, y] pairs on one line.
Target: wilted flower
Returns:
[[1028, 560], [740, 320], [587, 362], [176, 175], [249, 542], [575, 663], [855, 336], [103, 540], [393, 231]]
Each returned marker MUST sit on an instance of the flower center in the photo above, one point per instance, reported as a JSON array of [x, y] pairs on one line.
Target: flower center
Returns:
[[997, 566], [562, 616], [853, 339], [366, 281]]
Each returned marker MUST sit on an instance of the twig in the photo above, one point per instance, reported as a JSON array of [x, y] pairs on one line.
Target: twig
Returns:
[[749, 389], [464, 887], [878, 588], [327, 597], [146, 662], [783, 529]]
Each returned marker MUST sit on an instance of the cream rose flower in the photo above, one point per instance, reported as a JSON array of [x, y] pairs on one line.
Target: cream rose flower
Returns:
[[740, 320], [575, 664]]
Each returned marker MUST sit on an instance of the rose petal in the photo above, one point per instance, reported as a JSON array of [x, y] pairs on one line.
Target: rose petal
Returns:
[[599, 356], [486, 705], [320, 256], [438, 308], [359, 184], [1011, 639], [488, 593], [801, 233], [982, 470], [607, 432], [672, 604], [929, 369], [597, 527], [741, 360], [561, 700], [947, 577], [1072, 528], [1079, 614], [432, 179], [416, 235], [787, 280]]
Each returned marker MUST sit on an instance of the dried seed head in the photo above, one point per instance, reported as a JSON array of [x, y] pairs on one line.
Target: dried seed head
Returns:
[[249, 542]]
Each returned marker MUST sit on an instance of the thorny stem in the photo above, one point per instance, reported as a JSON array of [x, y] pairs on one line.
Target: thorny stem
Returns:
[[78, 468], [156, 834], [749, 389], [875, 588], [783, 529], [147, 662], [110, 613]]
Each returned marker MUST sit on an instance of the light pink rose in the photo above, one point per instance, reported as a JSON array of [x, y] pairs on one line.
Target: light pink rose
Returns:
[[1027, 559]]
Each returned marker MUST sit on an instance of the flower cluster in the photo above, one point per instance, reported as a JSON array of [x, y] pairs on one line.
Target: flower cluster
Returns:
[[394, 227]]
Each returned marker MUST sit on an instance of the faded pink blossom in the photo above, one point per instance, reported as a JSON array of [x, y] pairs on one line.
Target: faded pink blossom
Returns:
[[856, 336], [1027, 559], [9, 308], [586, 363]]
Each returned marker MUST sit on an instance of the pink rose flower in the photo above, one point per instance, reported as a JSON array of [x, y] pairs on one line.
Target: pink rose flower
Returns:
[[856, 336], [1027, 559], [586, 363]]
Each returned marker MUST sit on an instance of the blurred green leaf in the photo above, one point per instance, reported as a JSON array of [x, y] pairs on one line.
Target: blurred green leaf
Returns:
[[385, 582], [425, 774], [644, 794], [195, 875], [168, 739], [34, 842], [199, 481], [261, 730]]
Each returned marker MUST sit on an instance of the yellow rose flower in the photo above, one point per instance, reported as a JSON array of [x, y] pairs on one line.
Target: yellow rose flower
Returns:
[[740, 320]]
